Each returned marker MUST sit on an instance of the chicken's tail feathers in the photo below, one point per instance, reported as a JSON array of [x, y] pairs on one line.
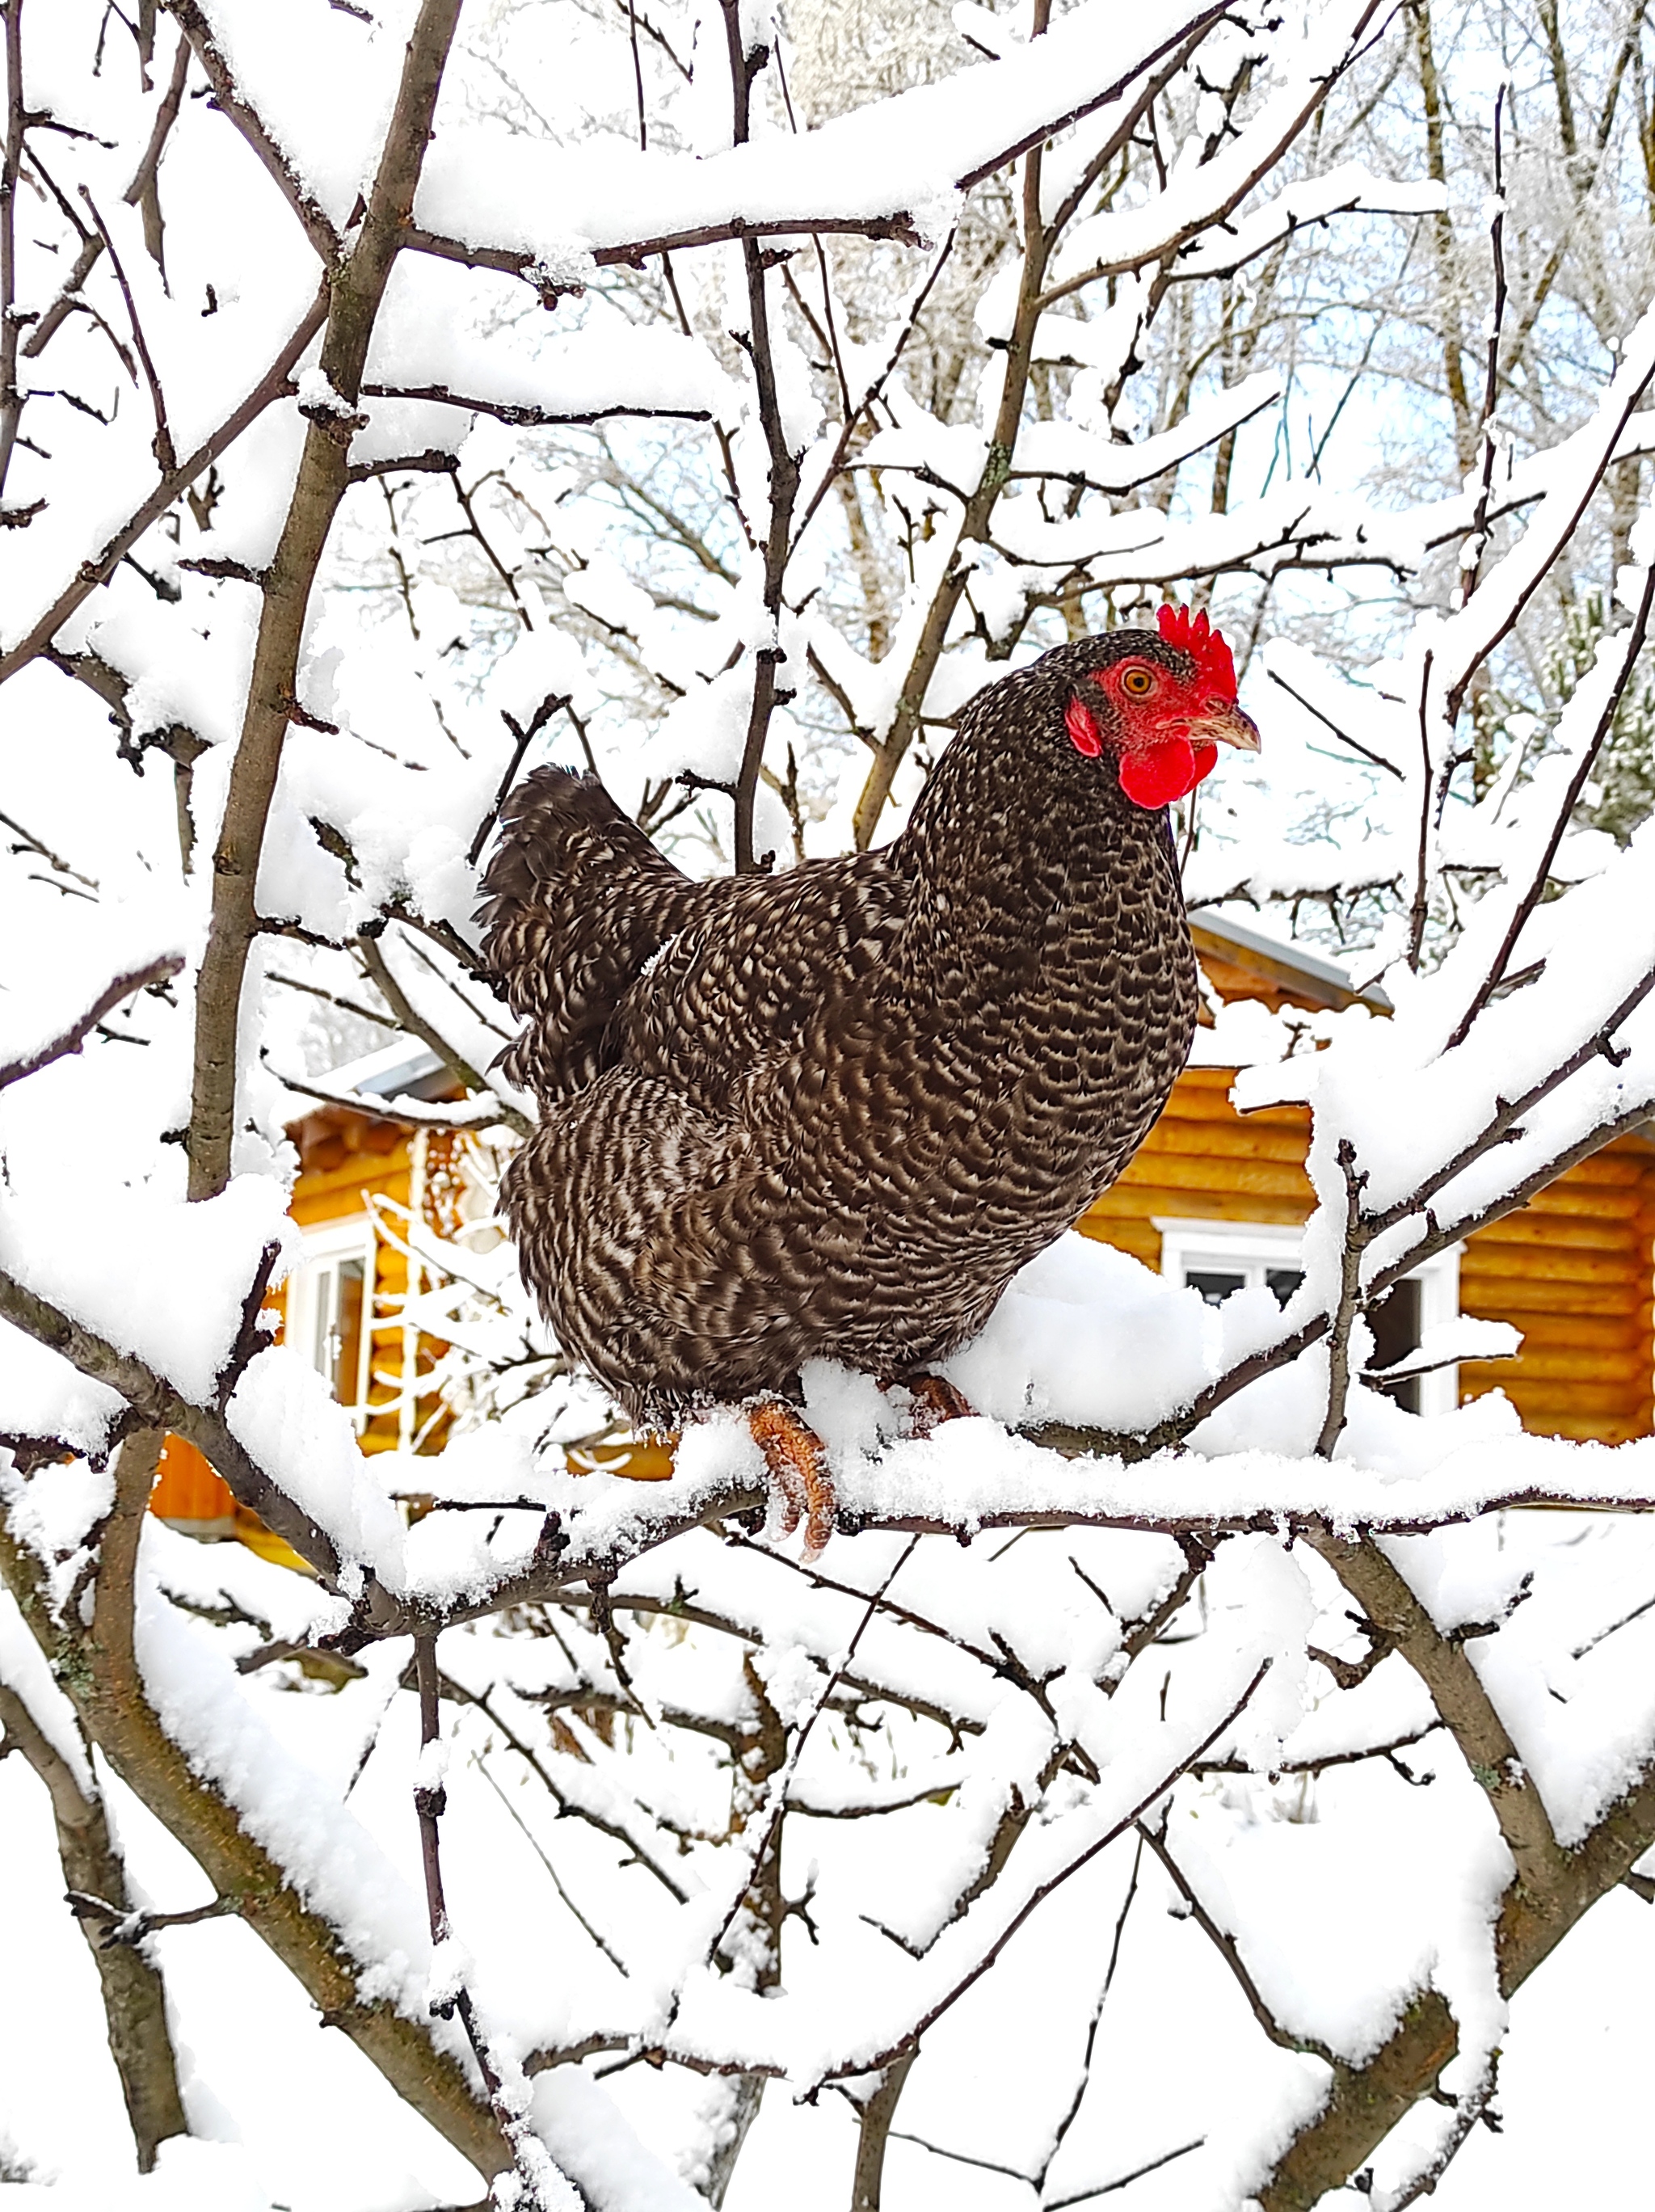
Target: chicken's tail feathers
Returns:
[[576, 900]]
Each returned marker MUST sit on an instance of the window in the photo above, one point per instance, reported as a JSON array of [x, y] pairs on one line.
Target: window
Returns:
[[330, 1308], [1219, 1257]]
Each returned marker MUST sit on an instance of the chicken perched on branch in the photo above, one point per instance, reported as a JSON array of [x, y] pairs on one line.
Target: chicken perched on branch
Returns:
[[830, 1114]]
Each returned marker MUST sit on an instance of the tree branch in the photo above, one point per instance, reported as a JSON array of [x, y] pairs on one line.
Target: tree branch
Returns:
[[874, 2132], [11, 164], [72, 1039], [358, 287], [272, 386], [153, 1400], [1464, 1706], [99, 1670], [232, 102], [133, 1995]]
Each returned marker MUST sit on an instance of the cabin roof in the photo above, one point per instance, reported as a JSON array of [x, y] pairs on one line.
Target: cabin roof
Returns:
[[1282, 967], [406, 1068]]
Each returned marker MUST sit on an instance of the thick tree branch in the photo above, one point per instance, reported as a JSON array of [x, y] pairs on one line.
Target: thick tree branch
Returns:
[[133, 1996], [323, 474], [100, 1670], [153, 1400], [874, 2133], [1364, 2103]]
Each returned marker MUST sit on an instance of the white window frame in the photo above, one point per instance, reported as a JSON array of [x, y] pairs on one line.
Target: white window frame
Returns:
[[324, 1248], [1250, 1248]]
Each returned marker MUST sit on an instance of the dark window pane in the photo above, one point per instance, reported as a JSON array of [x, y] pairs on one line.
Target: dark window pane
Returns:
[[1395, 1323], [1214, 1288], [1284, 1281]]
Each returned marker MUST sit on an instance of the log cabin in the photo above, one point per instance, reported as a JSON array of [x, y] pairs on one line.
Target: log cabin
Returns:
[[1216, 1199]]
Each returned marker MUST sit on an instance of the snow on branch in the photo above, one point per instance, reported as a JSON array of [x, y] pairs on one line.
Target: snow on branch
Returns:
[[905, 157], [30, 1059]]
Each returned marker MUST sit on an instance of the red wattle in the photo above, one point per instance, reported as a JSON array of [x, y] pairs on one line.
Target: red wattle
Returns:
[[1083, 733], [1157, 774]]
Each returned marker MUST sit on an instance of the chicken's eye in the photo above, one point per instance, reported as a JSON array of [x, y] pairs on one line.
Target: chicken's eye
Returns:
[[1137, 682]]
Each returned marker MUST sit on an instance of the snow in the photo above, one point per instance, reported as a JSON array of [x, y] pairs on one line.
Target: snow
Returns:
[[429, 334], [138, 1271], [24, 1671], [977, 1724], [331, 1860], [906, 154]]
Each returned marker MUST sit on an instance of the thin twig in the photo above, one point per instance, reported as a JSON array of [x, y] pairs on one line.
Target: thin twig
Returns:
[[125, 1926], [97, 568], [1060, 2133], [638, 77], [1343, 735], [528, 2154], [1631, 646], [1470, 2107], [161, 445], [11, 399], [1356, 1243], [52, 859], [1477, 537], [1420, 907], [1226, 1946]]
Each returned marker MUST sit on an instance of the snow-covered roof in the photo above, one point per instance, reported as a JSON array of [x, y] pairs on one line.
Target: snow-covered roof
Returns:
[[405, 1067], [1284, 953]]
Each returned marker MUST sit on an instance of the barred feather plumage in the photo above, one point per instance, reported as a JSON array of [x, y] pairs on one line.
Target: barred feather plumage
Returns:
[[831, 1113]]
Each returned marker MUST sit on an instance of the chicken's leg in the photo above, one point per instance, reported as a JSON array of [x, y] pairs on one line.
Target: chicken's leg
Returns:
[[935, 1400], [796, 1461]]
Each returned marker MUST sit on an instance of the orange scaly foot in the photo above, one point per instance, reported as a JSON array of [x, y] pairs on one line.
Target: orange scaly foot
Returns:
[[796, 1461], [935, 1400]]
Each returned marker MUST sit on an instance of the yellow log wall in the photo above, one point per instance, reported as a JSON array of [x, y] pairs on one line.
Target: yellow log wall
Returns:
[[346, 1162], [1573, 1270]]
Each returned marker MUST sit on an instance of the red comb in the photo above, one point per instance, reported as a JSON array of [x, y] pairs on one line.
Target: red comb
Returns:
[[1194, 634]]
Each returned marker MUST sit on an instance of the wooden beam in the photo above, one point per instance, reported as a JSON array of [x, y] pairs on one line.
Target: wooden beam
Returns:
[[1548, 1264], [1219, 1142], [1264, 1178], [1618, 1332], [1142, 1200], [1564, 1364], [1510, 1298], [1561, 1232]]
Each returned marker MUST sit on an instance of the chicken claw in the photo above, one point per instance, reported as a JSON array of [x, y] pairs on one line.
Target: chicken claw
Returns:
[[935, 1400], [796, 1461]]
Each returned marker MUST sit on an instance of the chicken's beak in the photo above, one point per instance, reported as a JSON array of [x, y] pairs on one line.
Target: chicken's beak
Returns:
[[1227, 725]]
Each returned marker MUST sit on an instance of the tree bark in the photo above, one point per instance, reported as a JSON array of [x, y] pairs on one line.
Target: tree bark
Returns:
[[133, 1996], [867, 2180], [99, 1668], [1551, 1891], [358, 287]]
